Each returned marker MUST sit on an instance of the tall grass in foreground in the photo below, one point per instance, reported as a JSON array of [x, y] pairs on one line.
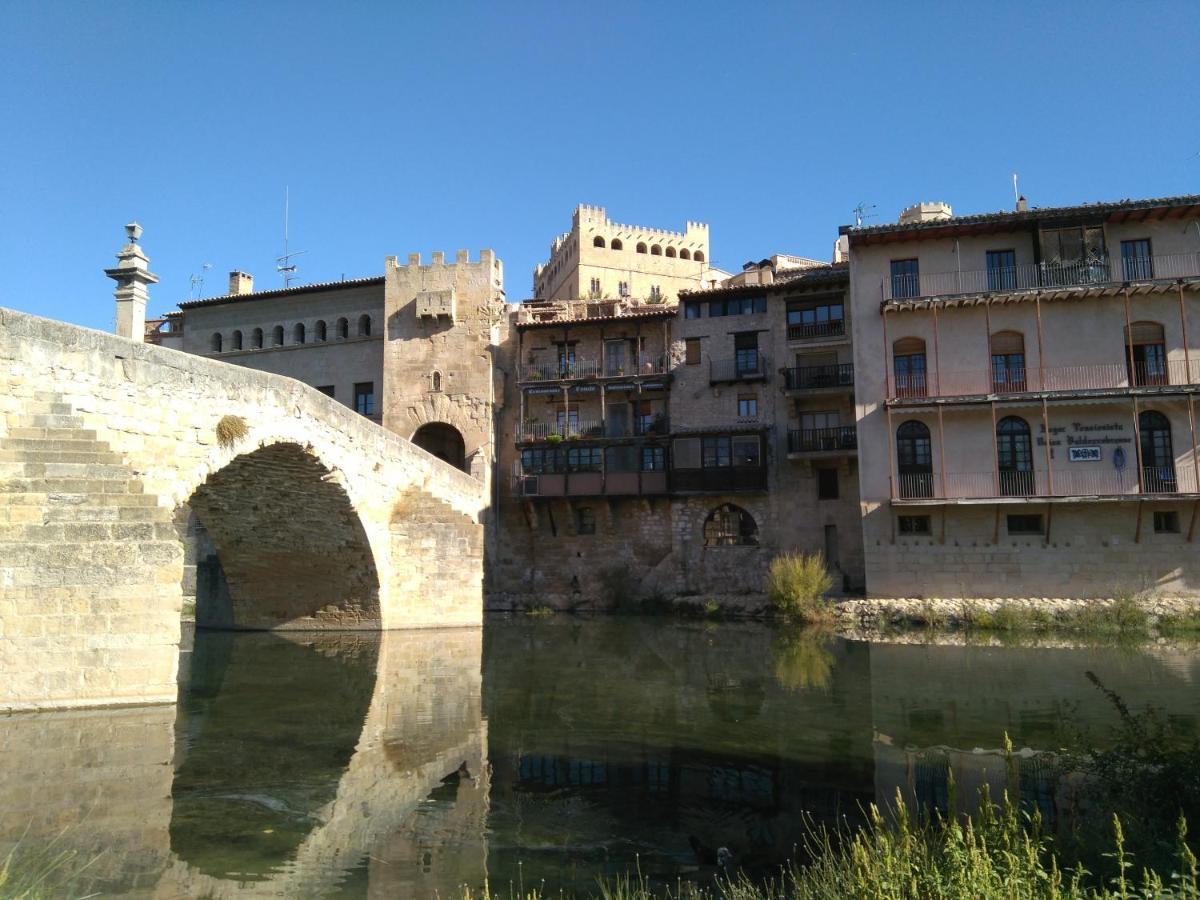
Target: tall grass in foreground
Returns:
[[37, 874], [796, 586], [999, 854]]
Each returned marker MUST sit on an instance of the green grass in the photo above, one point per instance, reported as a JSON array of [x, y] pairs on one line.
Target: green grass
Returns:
[[1122, 619], [796, 586]]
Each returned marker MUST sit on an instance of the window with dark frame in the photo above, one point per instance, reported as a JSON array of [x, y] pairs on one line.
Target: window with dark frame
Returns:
[[827, 484], [919, 525], [1166, 521], [906, 278], [691, 352], [1137, 264], [1001, 270], [693, 310], [1025, 524], [747, 406], [364, 398], [653, 459], [815, 320]]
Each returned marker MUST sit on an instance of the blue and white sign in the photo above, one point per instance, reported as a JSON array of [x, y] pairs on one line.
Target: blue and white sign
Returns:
[[1084, 454]]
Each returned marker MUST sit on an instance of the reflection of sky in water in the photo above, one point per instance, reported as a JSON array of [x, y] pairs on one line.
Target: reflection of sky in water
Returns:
[[367, 765]]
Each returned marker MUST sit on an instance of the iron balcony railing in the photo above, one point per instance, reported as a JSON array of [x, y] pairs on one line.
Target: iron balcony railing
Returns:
[[1037, 484], [747, 365], [590, 484], [1018, 379], [641, 426], [816, 330], [574, 370], [1036, 276], [817, 440], [804, 378]]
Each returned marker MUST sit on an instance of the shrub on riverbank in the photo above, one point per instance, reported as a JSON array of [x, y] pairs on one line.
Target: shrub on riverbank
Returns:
[[797, 584]]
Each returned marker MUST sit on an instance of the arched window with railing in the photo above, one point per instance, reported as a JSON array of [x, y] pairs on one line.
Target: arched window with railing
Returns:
[[908, 366], [236, 343], [914, 460], [1008, 362], [321, 331], [277, 336], [364, 326], [1146, 353], [1014, 457], [730, 526], [1157, 453], [299, 333]]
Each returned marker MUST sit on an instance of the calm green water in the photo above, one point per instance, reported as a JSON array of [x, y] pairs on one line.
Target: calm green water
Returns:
[[542, 751]]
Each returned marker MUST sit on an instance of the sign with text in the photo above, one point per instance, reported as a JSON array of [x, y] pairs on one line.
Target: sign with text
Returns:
[[1084, 454]]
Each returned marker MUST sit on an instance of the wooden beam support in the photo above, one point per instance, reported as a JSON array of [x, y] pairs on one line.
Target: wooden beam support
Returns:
[[1137, 534], [1192, 524]]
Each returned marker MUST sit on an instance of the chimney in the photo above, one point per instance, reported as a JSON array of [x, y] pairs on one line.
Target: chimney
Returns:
[[240, 283], [1022, 205], [132, 276]]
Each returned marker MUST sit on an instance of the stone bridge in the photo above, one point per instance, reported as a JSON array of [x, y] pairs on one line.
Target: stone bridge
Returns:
[[321, 519]]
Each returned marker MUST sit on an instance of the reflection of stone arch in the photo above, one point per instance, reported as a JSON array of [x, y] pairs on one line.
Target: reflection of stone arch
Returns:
[[443, 441]]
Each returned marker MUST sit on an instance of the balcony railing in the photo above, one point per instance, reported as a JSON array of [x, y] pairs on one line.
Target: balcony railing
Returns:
[[1036, 484], [646, 364], [641, 426], [748, 365], [1045, 275], [816, 330], [1109, 376], [804, 378], [818, 440]]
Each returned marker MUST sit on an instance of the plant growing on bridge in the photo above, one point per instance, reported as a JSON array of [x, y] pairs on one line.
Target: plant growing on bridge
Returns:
[[230, 430], [797, 584]]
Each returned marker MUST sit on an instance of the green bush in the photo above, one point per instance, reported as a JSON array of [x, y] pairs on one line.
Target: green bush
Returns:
[[797, 584]]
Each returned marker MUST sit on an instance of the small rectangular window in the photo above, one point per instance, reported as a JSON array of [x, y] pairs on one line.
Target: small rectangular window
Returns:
[[692, 310], [691, 352], [827, 484], [1166, 521], [915, 525], [906, 278], [326, 389], [585, 520], [1025, 524], [652, 459], [747, 406], [364, 398], [716, 309], [746, 452]]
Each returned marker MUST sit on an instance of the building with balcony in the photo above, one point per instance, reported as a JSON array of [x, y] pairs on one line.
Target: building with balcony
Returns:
[[1025, 389]]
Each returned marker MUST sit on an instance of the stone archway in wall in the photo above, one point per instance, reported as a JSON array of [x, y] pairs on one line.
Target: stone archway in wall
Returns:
[[291, 552], [443, 441]]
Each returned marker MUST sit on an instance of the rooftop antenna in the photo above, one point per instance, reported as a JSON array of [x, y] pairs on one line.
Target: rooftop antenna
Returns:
[[1016, 193], [197, 282], [283, 264], [861, 212]]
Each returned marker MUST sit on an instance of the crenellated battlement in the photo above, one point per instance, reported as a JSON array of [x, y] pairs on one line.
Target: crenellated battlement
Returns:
[[487, 257]]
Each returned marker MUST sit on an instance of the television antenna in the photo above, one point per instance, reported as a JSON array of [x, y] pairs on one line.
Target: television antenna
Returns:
[[283, 264], [1016, 193], [196, 291], [862, 211]]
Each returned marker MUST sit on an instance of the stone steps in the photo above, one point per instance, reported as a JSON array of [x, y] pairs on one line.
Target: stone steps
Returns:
[[74, 498], [61, 439], [85, 454]]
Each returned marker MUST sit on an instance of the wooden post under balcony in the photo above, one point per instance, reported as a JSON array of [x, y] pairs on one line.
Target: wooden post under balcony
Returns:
[[1046, 432], [1137, 444], [937, 359], [1037, 300], [1192, 434], [942, 450], [1129, 343], [1187, 359], [887, 361], [995, 452]]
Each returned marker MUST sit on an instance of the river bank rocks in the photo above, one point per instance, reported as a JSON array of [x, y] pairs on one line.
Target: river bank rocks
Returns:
[[875, 614]]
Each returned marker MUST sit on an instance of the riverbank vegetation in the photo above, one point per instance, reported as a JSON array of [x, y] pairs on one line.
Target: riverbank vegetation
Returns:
[[796, 586]]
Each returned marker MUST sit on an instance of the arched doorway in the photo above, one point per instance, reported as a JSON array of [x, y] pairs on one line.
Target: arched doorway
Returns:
[[443, 441]]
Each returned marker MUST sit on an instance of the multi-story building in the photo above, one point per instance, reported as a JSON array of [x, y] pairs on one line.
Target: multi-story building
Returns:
[[598, 258], [1025, 390]]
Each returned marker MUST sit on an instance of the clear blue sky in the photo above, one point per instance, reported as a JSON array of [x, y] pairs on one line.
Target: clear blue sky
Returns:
[[421, 127]]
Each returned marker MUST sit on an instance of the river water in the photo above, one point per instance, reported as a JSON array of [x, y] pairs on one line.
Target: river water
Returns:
[[540, 752]]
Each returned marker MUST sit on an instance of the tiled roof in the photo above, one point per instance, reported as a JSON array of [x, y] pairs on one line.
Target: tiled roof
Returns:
[[282, 292], [788, 279], [656, 312], [1033, 214]]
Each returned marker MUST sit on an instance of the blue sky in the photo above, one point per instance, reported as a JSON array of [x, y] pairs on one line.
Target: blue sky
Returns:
[[401, 128]]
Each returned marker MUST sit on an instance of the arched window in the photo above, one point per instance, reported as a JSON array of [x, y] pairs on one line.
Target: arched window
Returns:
[[1158, 456], [641, 247], [1008, 362], [437, 381], [256, 339], [616, 244], [277, 336], [321, 331], [237, 341], [1146, 350], [914, 459], [1014, 456], [343, 328], [671, 252], [908, 363], [364, 326], [598, 241], [216, 343], [685, 254], [698, 256], [656, 250], [730, 526], [298, 333]]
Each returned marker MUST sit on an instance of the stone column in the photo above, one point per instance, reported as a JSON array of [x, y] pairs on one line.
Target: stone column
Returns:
[[132, 276]]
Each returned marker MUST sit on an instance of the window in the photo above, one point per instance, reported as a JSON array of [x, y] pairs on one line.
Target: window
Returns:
[[827, 484], [1074, 255], [692, 310], [1145, 345], [1001, 270], [815, 321], [737, 306], [815, 421], [908, 360], [616, 244], [645, 419], [597, 241], [542, 461], [567, 422], [747, 406], [364, 398], [698, 256], [685, 254], [436, 381], [906, 278], [595, 288], [1157, 454], [277, 336], [585, 520], [256, 339], [320, 331], [585, 459], [691, 352], [364, 326], [343, 328], [614, 357], [656, 250], [1025, 524], [215, 344], [566, 359], [715, 452], [237, 341], [746, 452], [745, 352], [623, 288], [671, 252], [1166, 521], [1008, 361], [653, 459], [730, 526], [686, 453], [1136, 262], [915, 525], [298, 333], [655, 294], [641, 248], [1014, 456], [914, 458], [326, 389]]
